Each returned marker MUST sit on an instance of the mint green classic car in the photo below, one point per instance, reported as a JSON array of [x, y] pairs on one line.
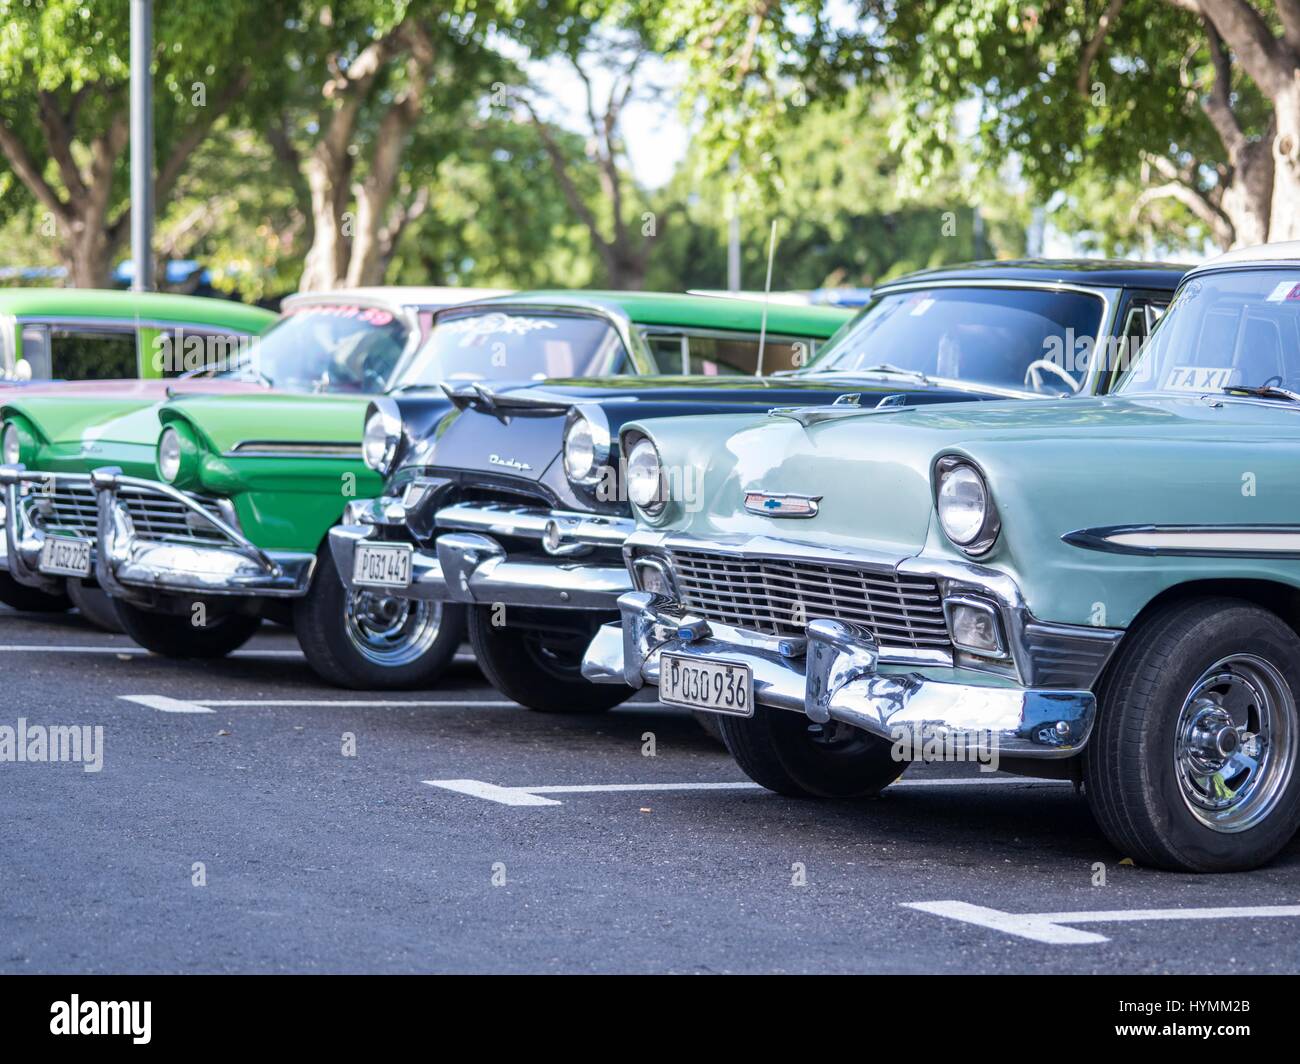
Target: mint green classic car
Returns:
[[1105, 589]]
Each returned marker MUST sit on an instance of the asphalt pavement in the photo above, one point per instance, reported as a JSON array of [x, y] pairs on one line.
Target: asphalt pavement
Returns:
[[246, 817]]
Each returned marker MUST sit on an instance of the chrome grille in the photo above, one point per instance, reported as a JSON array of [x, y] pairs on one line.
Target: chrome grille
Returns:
[[768, 595], [71, 507]]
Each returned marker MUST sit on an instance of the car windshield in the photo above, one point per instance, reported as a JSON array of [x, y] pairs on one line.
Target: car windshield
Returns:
[[1029, 339], [519, 344], [326, 348], [1233, 329]]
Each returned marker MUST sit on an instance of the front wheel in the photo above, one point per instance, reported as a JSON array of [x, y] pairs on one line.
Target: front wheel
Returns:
[[534, 656], [373, 641], [786, 752], [94, 605], [1192, 763], [29, 599], [181, 636]]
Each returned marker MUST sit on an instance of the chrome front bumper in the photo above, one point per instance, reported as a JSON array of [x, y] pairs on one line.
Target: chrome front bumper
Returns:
[[127, 561], [836, 674], [470, 565]]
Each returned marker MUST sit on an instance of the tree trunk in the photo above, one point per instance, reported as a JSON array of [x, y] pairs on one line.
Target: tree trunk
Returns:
[[1284, 220], [87, 255], [327, 180], [1247, 198]]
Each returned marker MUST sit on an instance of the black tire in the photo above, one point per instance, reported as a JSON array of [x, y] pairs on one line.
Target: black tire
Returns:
[[95, 606], [535, 658], [787, 753], [1139, 788], [173, 636], [30, 599], [709, 722], [336, 633]]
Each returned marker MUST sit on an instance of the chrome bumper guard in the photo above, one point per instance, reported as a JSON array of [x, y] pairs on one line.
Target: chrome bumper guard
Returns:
[[835, 673], [469, 565], [21, 544], [128, 563]]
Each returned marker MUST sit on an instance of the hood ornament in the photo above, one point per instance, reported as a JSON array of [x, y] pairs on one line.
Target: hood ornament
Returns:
[[770, 504]]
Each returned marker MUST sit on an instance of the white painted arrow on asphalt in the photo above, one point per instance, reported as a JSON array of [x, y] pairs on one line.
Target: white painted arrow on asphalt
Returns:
[[493, 792], [1052, 929]]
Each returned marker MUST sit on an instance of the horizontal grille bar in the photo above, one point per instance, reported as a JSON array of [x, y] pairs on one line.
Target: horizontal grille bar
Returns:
[[779, 597]]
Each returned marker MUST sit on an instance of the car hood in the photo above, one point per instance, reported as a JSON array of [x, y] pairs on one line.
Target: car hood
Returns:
[[1052, 469], [514, 435], [226, 422]]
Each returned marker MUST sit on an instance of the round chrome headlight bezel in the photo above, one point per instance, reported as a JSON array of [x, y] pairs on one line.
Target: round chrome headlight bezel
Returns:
[[587, 446], [644, 477], [169, 454], [11, 444], [381, 436], [964, 504]]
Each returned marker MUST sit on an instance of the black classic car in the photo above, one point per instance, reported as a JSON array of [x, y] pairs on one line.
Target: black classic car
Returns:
[[513, 502]]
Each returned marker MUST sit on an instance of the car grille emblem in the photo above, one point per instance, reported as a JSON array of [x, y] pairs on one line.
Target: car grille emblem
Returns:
[[775, 505]]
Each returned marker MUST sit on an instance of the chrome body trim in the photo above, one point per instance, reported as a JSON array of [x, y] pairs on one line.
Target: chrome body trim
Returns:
[[128, 565], [837, 674], [1191, 541], [474, 569]]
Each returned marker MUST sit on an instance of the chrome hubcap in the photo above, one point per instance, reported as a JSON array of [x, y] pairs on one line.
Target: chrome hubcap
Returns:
[[1235, 743], [391, 631]]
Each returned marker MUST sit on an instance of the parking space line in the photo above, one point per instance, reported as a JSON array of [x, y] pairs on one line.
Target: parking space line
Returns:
[[132, 651], [1051, 929], [503, 795], [167, 704]]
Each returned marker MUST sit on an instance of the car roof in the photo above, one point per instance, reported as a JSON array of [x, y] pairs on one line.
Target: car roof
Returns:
[[1093, 273], [118, 304], [1282, 251], [422, 297], [700, 312]]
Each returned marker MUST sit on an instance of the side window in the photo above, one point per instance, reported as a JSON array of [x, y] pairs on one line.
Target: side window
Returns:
[[671, 353], [184, 349], [35, 348], [713, 356], [1143, 313], [80, 354]]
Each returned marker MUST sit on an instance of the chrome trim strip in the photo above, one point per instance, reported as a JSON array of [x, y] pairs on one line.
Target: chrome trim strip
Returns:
[[1195, 541], [526, 522], [293, 449]]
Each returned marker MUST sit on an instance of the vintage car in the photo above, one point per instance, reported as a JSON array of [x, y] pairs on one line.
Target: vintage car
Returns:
[[513, 505], [104, 340], [1106, 590], [224, 516], [323, 342], [79, 334]]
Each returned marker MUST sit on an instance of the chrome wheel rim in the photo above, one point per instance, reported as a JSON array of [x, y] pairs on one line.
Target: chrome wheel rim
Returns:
[[1235, 743], [391, 631]]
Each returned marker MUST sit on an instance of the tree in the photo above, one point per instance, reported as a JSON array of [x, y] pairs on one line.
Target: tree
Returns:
[[621, 236], [64, 119]]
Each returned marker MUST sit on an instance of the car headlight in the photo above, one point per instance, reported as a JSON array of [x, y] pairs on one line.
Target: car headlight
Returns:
[[965, 507], [169, 455], [645, 477], [11, 444], [586, 446], [382, 435]]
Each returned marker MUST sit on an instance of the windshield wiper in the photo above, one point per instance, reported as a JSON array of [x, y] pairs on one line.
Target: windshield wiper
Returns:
[[1264, 391]]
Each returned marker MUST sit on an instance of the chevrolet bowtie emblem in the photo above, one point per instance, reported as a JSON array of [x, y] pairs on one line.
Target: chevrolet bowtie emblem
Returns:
[[774, 505]]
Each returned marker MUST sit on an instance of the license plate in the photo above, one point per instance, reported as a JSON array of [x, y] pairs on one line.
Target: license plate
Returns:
[[65, 556], [386, 566], [717, 686]]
